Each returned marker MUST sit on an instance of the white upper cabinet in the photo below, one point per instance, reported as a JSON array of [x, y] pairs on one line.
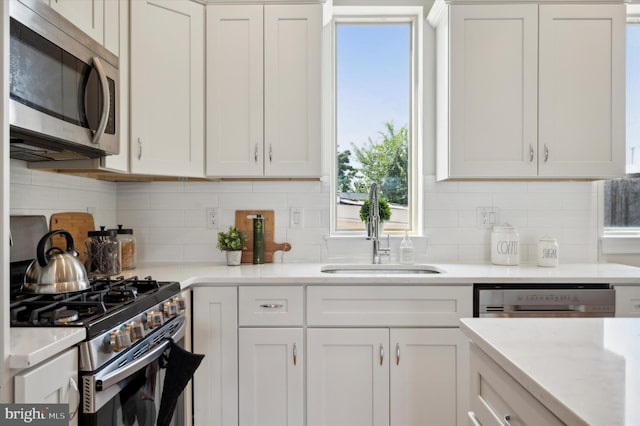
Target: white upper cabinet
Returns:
[[167, 88], [99, 19], [528, 90], [263, 90]]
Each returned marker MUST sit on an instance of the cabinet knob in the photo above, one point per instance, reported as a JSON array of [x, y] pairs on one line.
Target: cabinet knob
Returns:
[[139, 148], [381, 354], [255, 154], [270, 153], [397, 353], [271, 306]]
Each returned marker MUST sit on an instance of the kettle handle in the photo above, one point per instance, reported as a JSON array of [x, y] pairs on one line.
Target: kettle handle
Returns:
[[42, 260]]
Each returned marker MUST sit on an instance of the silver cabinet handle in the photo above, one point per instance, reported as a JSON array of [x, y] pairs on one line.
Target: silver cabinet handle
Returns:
[[530, 153], [270, 153], [255, 154], [546, 153], [295, 354], [106, 101], [271, 306], [473, 419], [397, 353], [74, 385], [381, 354], [139, 148], [506, 419]]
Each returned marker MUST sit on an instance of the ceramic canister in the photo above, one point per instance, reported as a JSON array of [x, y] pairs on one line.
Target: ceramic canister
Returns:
[[505, 245], [547, 252]]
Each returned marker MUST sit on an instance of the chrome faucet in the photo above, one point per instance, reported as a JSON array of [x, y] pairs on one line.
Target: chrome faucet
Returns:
[[373, 226]]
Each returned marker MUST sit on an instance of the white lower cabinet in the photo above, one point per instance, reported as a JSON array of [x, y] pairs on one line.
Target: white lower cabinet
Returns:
[[498, 400], [54, 382], [271, 376], [331, 355], [628, 301], [215, 334], [386, 377]]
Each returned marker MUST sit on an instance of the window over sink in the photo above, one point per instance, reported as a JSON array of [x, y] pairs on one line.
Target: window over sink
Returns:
[[376, 94]]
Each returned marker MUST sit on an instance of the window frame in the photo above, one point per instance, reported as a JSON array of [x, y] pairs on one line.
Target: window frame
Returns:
[[614, 240], [412, 15]]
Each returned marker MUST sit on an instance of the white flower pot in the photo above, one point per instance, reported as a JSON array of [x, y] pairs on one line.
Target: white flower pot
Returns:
[[234, 257]]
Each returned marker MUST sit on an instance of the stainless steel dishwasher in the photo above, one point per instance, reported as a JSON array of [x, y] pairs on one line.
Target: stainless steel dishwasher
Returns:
[[543, 300]]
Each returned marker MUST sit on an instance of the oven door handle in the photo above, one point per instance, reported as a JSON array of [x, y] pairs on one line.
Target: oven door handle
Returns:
[[114, 377]]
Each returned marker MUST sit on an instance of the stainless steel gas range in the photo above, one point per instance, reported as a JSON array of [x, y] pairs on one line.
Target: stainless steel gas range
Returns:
[[129, 324]]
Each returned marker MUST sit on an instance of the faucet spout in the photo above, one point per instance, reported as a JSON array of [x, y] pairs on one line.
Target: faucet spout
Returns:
[[373, 224]]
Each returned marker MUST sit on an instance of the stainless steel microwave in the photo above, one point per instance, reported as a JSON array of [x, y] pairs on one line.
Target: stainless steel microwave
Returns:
[[63, 88]]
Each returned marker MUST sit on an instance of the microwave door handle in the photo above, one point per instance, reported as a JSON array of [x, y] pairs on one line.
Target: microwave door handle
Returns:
[[106, 101]]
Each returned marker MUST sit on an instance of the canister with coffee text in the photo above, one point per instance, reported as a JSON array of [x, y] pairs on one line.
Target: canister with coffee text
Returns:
[[505, 245]]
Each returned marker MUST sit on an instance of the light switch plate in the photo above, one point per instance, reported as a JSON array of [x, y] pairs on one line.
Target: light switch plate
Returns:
[[296, 218]]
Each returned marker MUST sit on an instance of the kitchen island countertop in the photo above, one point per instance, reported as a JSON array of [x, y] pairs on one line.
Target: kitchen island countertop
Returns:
[[586, 371]]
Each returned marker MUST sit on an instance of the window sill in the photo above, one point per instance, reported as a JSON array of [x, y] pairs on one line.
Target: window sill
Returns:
[[620, 244]]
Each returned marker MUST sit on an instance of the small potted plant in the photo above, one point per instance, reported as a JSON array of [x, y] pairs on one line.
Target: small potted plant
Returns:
[[232, 242], [384, 208]]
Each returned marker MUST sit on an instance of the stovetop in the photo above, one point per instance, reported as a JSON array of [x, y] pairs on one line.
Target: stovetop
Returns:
[[108, 303]]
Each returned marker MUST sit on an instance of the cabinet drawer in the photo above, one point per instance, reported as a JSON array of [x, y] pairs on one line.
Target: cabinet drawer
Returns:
[[386, 306], [496, 396], [272, 306]]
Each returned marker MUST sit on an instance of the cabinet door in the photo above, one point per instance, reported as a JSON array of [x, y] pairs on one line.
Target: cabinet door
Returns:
[[628, 301], [112, 28], [235, 135], [88, 15], [347, 377], [271, 371], [215, 334], [493, 90], [54, 381], [292, 42], [429, 377], [167, 88], [582, 90]]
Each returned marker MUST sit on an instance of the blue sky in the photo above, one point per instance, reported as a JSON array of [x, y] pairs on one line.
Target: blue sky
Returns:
[[633, 95], [373, 74]]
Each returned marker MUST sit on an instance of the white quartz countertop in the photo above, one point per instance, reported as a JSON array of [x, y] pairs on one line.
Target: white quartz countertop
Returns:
[[32, 345], [585, 370], [310, 273]]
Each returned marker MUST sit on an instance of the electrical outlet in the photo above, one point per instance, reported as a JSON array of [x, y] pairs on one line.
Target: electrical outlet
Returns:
[[486, 217], [296, 217], [212, 218]]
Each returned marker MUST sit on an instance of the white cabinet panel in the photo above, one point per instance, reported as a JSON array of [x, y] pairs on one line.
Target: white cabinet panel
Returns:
[[88, 15], [429, 377], [54, 381], [347, 377], [215, 334], [167, 88], [271, 376], [582, 90]]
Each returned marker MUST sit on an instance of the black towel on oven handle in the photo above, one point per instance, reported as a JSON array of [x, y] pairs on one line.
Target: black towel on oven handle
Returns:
[[180, 365]]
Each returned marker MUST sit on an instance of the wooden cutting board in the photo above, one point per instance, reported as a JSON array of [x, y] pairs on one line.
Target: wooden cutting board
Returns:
[[245, 225], [77, 224]]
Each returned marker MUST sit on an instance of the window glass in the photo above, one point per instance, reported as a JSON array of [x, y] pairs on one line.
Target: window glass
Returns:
[[373, 120], [622, 196]]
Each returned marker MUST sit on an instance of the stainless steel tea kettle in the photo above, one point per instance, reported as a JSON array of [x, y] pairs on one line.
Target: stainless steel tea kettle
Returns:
[[56, 271]]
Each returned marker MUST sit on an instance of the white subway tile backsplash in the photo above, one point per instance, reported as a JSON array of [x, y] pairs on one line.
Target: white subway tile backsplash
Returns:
[[169, 218]]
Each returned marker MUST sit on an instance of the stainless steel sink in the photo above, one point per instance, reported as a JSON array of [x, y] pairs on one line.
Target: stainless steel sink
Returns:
[[371, 269]]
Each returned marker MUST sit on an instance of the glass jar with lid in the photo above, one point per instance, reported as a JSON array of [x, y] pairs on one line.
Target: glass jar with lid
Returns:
[[103, 253], [127, 247], [505, 245]]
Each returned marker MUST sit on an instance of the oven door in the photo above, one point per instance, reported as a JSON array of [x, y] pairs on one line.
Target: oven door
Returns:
[[130, 396]]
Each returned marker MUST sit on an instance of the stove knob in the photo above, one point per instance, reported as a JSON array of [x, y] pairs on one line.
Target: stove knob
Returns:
[[181, 303], [120, 340], [155, 319], [135, 330], [170, 309]]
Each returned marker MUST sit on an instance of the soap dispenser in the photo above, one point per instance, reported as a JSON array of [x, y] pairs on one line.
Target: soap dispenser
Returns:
[[406, 249]]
